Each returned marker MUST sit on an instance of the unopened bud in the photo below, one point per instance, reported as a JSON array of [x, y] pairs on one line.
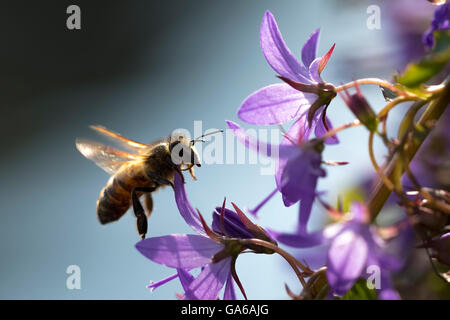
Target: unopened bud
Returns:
[[361, 109]]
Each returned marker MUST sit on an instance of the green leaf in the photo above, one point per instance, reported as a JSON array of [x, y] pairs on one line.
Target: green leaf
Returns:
[[360, 291], [418, 73]]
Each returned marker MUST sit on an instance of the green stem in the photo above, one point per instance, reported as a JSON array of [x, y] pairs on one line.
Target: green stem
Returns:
[[432, 113]]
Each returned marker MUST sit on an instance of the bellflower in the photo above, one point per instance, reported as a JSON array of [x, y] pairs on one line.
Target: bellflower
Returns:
[[353, 246], [298, 167], [440, 22], [303, 97], [214, 250]]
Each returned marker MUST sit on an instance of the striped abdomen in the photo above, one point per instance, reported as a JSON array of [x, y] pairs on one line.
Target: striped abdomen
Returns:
[[115, 198]]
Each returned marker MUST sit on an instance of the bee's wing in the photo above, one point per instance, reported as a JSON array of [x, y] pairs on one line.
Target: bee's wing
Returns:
[[107, 158], [120, 140]]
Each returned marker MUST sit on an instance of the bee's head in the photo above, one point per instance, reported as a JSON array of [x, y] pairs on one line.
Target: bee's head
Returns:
[[183, 152]]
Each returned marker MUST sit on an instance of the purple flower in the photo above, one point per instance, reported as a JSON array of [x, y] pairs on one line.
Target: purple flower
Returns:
[[355, 246], [302, 97], [297, 170], [354, 249], [440, 22], [214, 250]]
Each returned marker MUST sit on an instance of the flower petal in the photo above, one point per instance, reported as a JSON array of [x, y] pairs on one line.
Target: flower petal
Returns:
[[295, 134], [277, 53], [229, 293], [321, 130], [179, 250], [274, 104], [346, 259], [263, 148], [298, 240], [305, 210], [314, 70], [187, 212], [359, 212], [309, 50], [299, 177], [185, 278], [209, 282], [387, 291], [232, 224]]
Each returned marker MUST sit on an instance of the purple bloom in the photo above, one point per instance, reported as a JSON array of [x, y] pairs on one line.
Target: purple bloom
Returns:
[[354, 247], [440, 22], [297, 170], [215, 251], [281, 103]]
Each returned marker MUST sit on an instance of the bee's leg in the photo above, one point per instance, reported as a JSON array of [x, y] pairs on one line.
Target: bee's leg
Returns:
[[148, 204], [139, 212], [160, 180]]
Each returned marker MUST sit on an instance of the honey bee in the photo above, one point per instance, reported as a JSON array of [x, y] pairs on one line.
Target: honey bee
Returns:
[[146, 169]]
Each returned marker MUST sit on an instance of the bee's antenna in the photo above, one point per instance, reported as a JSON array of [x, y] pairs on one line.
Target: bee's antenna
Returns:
[[193, 141]]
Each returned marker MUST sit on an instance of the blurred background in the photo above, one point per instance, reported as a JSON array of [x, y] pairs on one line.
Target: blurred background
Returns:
[[144, 68]]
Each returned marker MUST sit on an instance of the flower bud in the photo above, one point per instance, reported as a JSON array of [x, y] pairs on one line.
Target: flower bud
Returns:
[[361, 109]]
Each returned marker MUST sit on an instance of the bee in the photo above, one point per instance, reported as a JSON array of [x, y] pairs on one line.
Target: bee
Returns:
[[136, 174]]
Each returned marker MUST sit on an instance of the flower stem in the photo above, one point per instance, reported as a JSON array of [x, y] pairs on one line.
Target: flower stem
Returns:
[[393, 103], [332, 132], [376, 81], [432, 113], [387, 182], [289, 258]]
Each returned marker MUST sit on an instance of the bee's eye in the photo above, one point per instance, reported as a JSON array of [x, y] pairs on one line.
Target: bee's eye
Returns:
[[180, 154]]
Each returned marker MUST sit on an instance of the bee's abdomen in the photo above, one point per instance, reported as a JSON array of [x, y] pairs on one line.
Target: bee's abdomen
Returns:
[[114, 200]]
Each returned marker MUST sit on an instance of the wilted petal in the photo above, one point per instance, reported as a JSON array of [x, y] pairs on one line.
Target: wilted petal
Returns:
[[229, 293], [180, 250], [209, 282], [187, 212], [274, 104], [309, 50], [346, 260], [277, 53]]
